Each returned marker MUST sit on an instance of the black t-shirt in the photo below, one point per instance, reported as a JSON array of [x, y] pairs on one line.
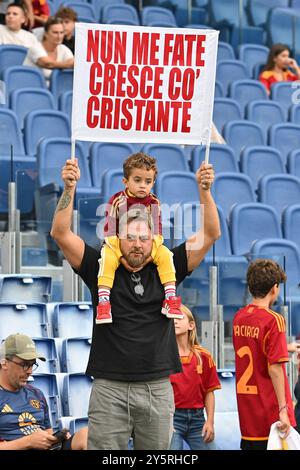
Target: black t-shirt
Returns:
[[70, 43], [140, 344]]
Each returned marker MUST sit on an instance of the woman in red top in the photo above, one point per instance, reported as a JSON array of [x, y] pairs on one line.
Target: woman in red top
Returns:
[[193, 389], [277, 67]]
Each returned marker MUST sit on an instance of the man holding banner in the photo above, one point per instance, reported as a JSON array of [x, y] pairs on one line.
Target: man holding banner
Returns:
[[135, 84]]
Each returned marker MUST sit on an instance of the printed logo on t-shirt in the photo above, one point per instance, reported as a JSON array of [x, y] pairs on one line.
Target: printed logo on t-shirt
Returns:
[[27, 423], [35, 404], [6, 409]]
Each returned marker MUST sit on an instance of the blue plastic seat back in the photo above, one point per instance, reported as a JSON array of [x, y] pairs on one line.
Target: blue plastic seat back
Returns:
[[230, 70], [82, 9], [73, 319], [290, 223], [10, 55], [285, 137], [30, 319], [283, 26], [75, 354], [21, 76], [99, 4], [279, 191], [225, 51], [221, 156], [245, 91], [219, 90], [61, 81], [265, 113], [10, 133], [168, 157], [25, 288], [47, 347], [259, 9], [115, 11], [226, 109], [230, 188], [65, 103], [41, 124], [107, 156], [293, 163], [47, 383], [151, 14], [282, 93], [252, 54], [24, 100], [295, 113], [76, 393], [250, 222], [167, 185], [259, 161], [111, 184], [242, 134]]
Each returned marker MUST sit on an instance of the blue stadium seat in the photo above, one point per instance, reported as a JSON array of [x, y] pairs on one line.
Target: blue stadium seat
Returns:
[[245, 91], [10, 55], [72, 319], [225, 51], [259, 161], [116, 11], [82, 9], [77, 424], [283, 94], [219, 90], [24, 100], [293, 163], [295, 316], [75, 354], [29, 319], [242, 134], [10, 133], [249, 222], [227, 430], [76, 393], [47, 347], [187, 220], [279, 191], [107, 156], [65, 103], [285, 137], [99, 4], [167, 184], [21, 76], [111, 184], [61, 81], [257, 69], [277, 249], [157, 14], [294, 114], [265, 113], [226, 109], [252, 54], [230, 70], [220, 156], [290, 223], [25, 288], [232, 286], [259, 10], [283, 27], [23, 172], [168, 157], [230, 188], [90, 221], [41, 124], [47, 383]]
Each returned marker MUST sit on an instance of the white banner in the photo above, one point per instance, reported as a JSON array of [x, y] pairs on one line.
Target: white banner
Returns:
[[141, 84]]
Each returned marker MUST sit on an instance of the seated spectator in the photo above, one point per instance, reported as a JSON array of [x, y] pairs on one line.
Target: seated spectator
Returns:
[[27, 8], [51, 53], [69, 18], [277, 67], [24, 420], [12, 32], [41, 12]]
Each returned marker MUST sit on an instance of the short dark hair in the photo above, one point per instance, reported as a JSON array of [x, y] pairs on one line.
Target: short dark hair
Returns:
[[139, 160], [262, 275], [66, 13], [17, 5]]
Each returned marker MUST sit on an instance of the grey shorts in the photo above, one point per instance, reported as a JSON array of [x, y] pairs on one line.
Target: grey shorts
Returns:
[[120, 410]]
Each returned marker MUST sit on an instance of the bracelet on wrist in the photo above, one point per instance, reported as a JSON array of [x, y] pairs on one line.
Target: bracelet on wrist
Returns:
[[284, 407]]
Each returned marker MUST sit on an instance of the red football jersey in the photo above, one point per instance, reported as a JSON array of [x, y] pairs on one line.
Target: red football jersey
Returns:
[[259, 341], [192, 384]]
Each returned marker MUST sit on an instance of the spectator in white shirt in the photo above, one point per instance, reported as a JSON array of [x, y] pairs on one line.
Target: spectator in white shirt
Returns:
[[12, 32], [51, 53]]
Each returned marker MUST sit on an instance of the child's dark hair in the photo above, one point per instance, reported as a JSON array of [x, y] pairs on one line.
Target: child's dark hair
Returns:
[[262, 275], [139, 160], [66, 13]]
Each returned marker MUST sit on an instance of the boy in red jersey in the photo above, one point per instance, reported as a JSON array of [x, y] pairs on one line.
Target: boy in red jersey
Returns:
[[259, 341], [140, 172], [263, 394]]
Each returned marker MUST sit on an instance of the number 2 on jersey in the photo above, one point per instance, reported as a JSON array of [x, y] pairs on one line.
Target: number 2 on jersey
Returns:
[[242, 385]]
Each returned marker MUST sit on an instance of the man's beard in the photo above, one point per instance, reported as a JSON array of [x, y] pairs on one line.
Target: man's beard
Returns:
[[135, 262]]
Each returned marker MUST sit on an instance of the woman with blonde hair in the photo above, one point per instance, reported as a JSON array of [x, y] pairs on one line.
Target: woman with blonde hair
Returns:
[[193, 388]]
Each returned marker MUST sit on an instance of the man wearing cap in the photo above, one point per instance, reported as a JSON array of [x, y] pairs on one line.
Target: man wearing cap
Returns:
[[24, 414]]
